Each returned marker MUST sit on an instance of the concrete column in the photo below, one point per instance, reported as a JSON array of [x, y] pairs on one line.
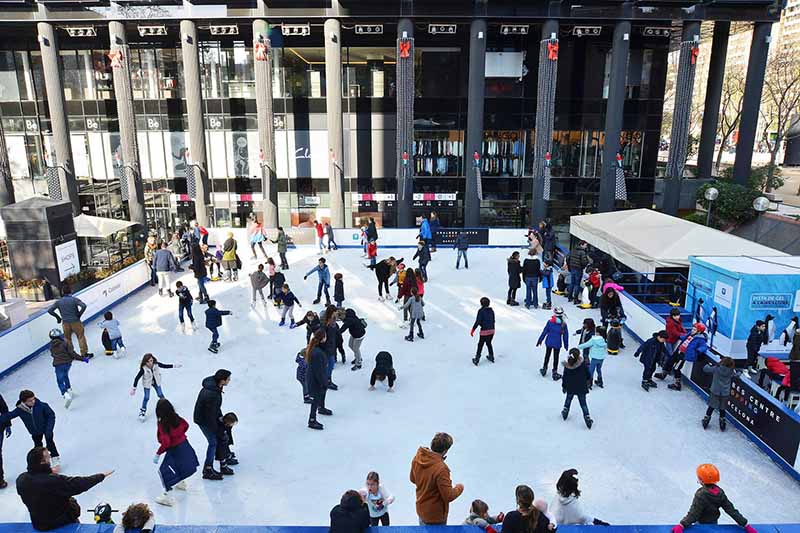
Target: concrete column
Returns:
[[753, 85], [538, 203], [405, 131], [194, 108], [127, 123], [266, 126], [716, 75], [48, 45], [333, 104], [476, 93], [614, 110], [6, 185]]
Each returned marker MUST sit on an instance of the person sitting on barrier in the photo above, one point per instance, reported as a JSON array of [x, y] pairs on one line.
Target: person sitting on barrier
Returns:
[[791, 381], [137, 518], [526, 518], [566, 508], [351, 515], [754, 341], [479, 516], [691, 346], [707, 502]]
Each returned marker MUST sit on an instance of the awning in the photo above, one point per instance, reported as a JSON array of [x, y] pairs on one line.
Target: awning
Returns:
[[99, 227], [645, 240]]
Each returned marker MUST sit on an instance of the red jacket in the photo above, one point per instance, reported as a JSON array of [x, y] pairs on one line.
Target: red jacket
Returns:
[[675, 330], [320, 230], [776, 366], [372, 249], [420, 287], [594, 279], [173, 438]]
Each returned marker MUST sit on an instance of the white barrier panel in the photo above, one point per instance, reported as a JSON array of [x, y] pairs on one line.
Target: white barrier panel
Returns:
[[640, 320], [513, 237], [30, 336]]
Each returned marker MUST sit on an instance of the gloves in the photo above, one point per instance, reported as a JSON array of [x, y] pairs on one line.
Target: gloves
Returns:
[[155, 459], [472, 332], [490, 529], [748, 528], [8, 434], [677, 529], [133, 391], [501, 517]]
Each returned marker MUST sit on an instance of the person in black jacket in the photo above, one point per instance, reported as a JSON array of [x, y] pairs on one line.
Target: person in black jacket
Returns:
[[514, 271], [754, 341], [372, 231], [332, 340], [575, 382], [311, 322], [383, 271], [462, 245], [485, 321], [49, 496], [200, 272], [384, 369], [424, 255], [39, 419], [338, 289], [357, 330], [5, 432], [531, 272], [351, 515], [208, 416], [526, 518], [317, 377], [652, 352]]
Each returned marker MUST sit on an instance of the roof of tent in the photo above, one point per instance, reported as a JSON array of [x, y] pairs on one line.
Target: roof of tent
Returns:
[[645, 240], [99, 227]]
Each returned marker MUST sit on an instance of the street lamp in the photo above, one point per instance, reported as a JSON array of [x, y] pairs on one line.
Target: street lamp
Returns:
[[711, 194], [760, 204]]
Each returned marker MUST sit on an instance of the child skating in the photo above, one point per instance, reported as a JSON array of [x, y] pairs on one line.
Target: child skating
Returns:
[[690, 347], [288, 299], [112, 335], [555, 336], [324, 278], [575, 382], [720, 389], [378, 500], [338, 290], [707, 502], [213, 323], [414, 306], [258, 280], [485, 321], [372, 252], [150, 374], [384, 369], [63, 355], [300, 374], [650, 353], [597, 355], [185, 301]]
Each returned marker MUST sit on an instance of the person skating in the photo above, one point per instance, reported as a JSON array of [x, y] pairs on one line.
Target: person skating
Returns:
[[213, 323], [378, 500], [597, 355], [691, 346], [63, 355], [425, 236], [39, 420], [531, 272], [49, 496], [575, 382], [287, 298], [230, 259], [424, 256], [610, 310], [372, 253], [329, 234], [420, 289], [514, 271], [165, 263], [332, 340], [283, 245], [707, 502], [312, 323], [415, 312], [319, 234], [112, 335], [547, 283], [650, 353], [67, 311], [258, 280], [350, 515], [462, 245], [185, 300], [484, 320], [555, 336], [577, 261], [199, 271], [357, 328], [408, 284], [150, 374], [566, 508], [324, 279], [526, 518], [675, 330], [384, 369], [431, 476], [257, 237], [720, 389], [180, 460], [383, 271], [435, 226], [223, 453], [754, 342], [338, 289], [150, 249], [317, 377], [208, 416], [372, 230], [5, 432]]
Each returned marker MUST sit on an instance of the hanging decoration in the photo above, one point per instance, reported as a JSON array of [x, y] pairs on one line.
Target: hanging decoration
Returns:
[[679, 135], [191, 182], [405, 115], [476, 161], [260, 47], [53, 183], [552, 50], [546, 193], [116, 57], [620, 189], [695, 53], [545, 113]]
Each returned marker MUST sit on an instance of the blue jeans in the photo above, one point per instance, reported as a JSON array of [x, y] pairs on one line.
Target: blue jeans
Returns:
[[116, 344], [188, 307], [575, 284], [424, 271], [320, 288], [462, 253], [581, 399], [547, 291], [62, 377], [214, 334], [372, 261], [531, 291], [596, 364], [147, 395], [211, 437], [201, 286], [153, 276]]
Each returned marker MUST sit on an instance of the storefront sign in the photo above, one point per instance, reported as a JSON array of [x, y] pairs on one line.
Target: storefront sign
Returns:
[[514, 29], [373, 197], [296, 29], [309, 200], [435, 197], [479, 236], [369, 29], [67, 259], [153, 124], [770, 301], [585, 31]]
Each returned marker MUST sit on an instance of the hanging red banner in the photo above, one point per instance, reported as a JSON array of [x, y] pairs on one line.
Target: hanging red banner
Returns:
[[619, 160], [116, 58], [695, 53], [552, 50], [405, 48], [547, 159], [260, 50]]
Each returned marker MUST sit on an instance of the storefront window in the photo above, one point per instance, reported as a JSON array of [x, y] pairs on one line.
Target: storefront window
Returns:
[[303, 72], [502, 153], [170, 69], [211, 70], [144, 75], [238, 71], [370, 72], [438, 153], [104, 83], [9, 87], [437, 72], [38, 76]]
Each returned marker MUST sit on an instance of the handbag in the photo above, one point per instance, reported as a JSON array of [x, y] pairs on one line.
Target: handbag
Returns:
[[238, 262]]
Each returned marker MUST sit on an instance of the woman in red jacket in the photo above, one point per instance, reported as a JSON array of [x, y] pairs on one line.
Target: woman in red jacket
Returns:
[[180, 461], [675, 330]]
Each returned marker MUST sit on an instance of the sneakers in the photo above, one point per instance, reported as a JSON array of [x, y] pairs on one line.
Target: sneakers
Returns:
[[325, 411], [588, 421], [706, 421], [313, 424], [225, 470], [181, 486], [564, 413], [165, 499], [142, 415], [211, 474]]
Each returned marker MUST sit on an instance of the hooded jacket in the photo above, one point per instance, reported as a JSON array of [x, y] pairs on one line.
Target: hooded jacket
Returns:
[[208, 407], [707, 502], [259, 279], [39, 420], [425, 230], [338, 290], [651, 351], [721, 382], [435, 490], [229, 250], [350, 516], [597, 350], [694, 345], [62, 353], [352, 323], [567, 510], [575, 380], [372, 232], [514, 271], [49, 497], [555, 334]]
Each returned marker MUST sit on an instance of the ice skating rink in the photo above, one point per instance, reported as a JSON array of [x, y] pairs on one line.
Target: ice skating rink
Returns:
[[636, 465]]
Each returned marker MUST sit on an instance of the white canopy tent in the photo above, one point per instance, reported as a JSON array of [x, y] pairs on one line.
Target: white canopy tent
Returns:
[[99, 227], [645, 240]]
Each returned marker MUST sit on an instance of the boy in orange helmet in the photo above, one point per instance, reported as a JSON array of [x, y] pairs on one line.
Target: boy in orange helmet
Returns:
[[707, 502]]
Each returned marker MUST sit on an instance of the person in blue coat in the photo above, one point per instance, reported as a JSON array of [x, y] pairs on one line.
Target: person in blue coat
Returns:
[[690, 347], [546, 276], [650, 353], [555, 336], [39, 420], [324, 276], [213, 322], [485, 321], [425, 232], [317, 377]]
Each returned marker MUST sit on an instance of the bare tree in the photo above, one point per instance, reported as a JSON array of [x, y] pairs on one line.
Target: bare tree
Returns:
[[779, 102], [730, 110]]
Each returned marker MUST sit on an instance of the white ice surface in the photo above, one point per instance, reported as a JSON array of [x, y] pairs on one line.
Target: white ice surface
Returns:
[[636, 464]]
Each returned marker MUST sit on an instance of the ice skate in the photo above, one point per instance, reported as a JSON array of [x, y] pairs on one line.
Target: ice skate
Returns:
[[706, 421], [588, 421], [653, 384], [161, 292], [307, 399], [674, 386], [313, 424], [490, 358], [325, 411], [211, 474], [67, 400], [355, 367], [556, 376], [599, 383], [421, 335], [231, 460], [142, 415], [213, 347], [225, 470], [646, 386], [181, 486], [171, 294], [475, 361], [165, 499], [73, 393], [332, 386], [282, 323], [660, 375], [409, 338], [3, 483], [564, 413], [723, 425], [543, 371], [315, 302]]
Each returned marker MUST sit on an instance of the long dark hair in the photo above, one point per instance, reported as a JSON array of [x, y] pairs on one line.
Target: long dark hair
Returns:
[[330, 315], [167, 417], [530, 514], [145, 357], [567, 484], [411, 276], [610, 301], [316, 340]]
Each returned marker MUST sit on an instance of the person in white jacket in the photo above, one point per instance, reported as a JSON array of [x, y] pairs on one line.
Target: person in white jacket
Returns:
[[566, 508], [378, 500]]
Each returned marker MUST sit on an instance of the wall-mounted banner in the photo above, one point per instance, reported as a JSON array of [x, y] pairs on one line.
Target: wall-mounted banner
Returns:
[[478, 236], [373, 197], [435, 197], [762, 301]]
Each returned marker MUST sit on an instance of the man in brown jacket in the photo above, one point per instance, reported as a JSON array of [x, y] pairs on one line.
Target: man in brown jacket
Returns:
[[431, 475]]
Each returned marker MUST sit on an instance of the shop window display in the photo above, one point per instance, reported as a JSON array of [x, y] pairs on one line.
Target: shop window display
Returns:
[[370, 72], [438, 153], [502, 153]]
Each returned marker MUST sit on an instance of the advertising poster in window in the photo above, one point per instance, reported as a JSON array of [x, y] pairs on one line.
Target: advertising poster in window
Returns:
[[179, 154], [16, 156], [97, 155], [240, 154], [158, 161], [144, 155], [217, 153]]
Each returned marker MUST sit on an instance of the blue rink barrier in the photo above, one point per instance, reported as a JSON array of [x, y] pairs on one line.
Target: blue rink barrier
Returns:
[[92, 528]]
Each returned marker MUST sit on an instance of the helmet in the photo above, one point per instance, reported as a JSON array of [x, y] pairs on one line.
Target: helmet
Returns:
[[700, 327], [558, 311], [707, 474], [56, 333]]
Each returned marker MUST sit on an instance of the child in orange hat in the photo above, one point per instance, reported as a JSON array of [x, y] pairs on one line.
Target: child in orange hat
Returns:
[[707, 502]]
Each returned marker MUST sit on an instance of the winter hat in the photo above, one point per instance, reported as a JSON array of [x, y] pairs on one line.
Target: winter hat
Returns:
[[700, 327], [708, 474]]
